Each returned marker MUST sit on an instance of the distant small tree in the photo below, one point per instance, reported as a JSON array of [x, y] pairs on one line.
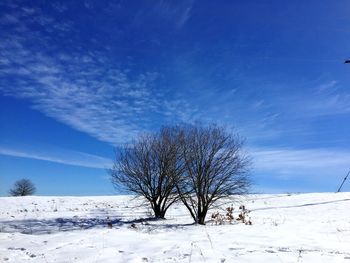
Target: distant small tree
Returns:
[[149, 167], [22, 187], [215, 167]]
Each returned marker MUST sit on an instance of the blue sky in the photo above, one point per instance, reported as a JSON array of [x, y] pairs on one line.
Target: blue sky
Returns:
[[78, 78]]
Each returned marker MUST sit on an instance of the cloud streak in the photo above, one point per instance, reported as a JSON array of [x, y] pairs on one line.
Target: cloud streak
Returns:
[[66, 157], [306, 162], [178, 11], [325, 99]]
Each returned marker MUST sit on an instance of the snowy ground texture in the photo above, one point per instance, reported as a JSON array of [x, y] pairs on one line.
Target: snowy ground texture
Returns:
[[286, 228]]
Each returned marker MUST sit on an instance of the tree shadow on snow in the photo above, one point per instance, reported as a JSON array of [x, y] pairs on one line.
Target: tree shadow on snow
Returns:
[[303, 205], [48, 226]]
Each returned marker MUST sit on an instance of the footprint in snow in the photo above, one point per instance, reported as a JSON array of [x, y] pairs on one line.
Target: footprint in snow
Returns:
[[284, 249], [235, 248], [16, 248]]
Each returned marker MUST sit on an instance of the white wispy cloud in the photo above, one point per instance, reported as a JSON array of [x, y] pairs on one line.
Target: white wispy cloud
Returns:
[[60, 156], [172, 14], [326, 98], [178, 11], [83, 89], [327, 86], [86, 90], [305, 162], [7, 19]]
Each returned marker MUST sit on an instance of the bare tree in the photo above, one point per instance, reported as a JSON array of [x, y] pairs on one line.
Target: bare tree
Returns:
[[22, 187], [214, 167], [149, 168]]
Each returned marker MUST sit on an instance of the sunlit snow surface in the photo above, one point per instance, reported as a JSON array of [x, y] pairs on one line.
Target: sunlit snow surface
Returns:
[[286, 228]]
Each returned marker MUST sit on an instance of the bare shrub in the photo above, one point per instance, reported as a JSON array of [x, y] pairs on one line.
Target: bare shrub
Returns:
[[228, 218], [221, 219], [244, 215], [148, 167], [22, 187], [215, 167]]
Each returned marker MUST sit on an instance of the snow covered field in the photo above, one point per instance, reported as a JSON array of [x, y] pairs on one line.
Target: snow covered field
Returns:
[[286, 228]]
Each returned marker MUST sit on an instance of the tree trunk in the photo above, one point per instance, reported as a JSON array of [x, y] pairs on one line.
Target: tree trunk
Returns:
[[201, 216], [201, 220], [158, 212]]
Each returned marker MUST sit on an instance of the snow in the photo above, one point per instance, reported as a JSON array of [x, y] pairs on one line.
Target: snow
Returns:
[[311, 227]]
